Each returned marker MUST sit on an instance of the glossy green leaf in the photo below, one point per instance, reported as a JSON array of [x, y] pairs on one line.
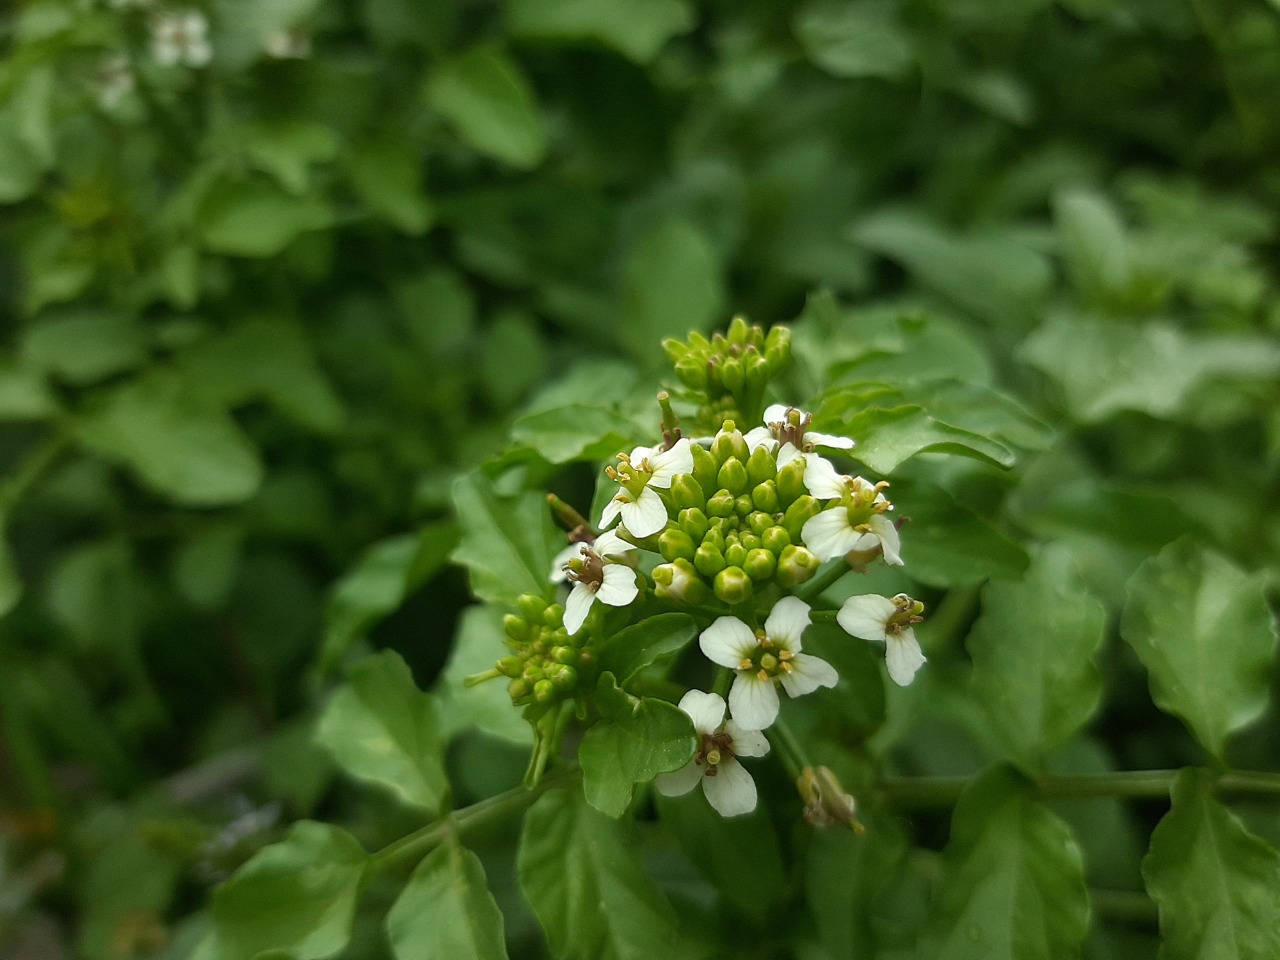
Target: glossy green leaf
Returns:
[[1033, 653], [952, 546], [507, 542], [486, 97], [1093, 241], [855, 40], [388, 176], [254, 218], [297, 897], [178, 441], [629, 651], [1202, 628], [381, 728], [638, 29], [887, 436], [580, 872], [636, 739], [1012, 884], [673, 284], [84, 346], [1217, 885], [578, 431], [446, 910]]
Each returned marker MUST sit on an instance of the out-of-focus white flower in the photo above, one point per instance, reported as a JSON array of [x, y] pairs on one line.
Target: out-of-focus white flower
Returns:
[[180, 37], [292, 44], [787, 435], [764, 659], [728, 786], [877, 618], [598, 575], [115, 80], [855, 522], [638, 503]]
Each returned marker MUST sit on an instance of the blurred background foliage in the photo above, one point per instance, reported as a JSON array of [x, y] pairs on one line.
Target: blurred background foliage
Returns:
[[257, 315]]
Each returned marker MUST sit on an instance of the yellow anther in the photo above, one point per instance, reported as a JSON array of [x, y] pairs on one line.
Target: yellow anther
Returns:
[[763, 675], [746, 665], [713, 757]]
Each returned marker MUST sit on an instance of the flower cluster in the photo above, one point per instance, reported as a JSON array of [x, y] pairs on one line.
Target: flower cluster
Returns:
[[546, 665], [729, 372]]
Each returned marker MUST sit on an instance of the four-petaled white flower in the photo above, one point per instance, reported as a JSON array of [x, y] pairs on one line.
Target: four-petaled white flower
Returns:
[[856, 523], [728, 786], [638, 502], [764, 659], [181, 37], [877, 618], [787, 435], [598, 576]]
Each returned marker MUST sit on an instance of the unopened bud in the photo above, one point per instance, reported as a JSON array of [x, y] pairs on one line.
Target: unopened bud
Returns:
[[705, 468], [517, 628], [732, 376], [562, 676], [761, 466], [735, 554], [679, 581], [519, 690], [564, 654], [760, 564], [798, 514], [729, 442], [776, 539], [795, 565], [692, 371], [744, 506], [750, 540], [674, 543], [732, 585], [721, 504], [765, 497], [553, 616], [686, 491], [739, 331], [756, 371], [790, 482], [510, 666], [531, 607], [826, 804], [708, 560], [544, 691], [732, 476], [758, 522], [693, 522]]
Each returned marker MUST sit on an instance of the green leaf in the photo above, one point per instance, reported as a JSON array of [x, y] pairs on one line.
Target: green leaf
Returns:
[[515, 358], [379, 582], [1093, 241], [11, 587], [507, 542], [1033, 653], [629, 651], [486, 97], [24, 395], [1012, 884], [380, 727], [255, 218], [1217, 885], [446, 910], [1202, 628], [888, 436], [179, 442], [590, 892], [287, 149], [952, 546], [19, 169], [636, 739], [95, 593], [673, 284], [85, 346], [637, 29], [297, 896], [388, 177], [864, 39], [577, 431], [487, 707]]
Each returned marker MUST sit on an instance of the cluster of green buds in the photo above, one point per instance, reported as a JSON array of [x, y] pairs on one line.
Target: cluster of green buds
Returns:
[[731, 370], [735, 524], [546, 666]]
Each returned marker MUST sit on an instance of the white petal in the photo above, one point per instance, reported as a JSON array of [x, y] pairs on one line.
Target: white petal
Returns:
[[828, 440], [903, 657], [728, 642], [613, 509], [821, 479], [787, 621], [866, 616], [647, 515], [667, 463], [758, 437], [888, 535], [731, 791], [829, 533], [640, 454], [786, 453], [808, 673], [679, 782], [581, 597], [571, 552], [611, 545], [753, 702], [619, 586], [776, 413], [746, 743], [706, 710]]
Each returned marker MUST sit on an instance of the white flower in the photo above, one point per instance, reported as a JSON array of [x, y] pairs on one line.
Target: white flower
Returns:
[[764, 659], [880, 619], [728, 786], [115, 80], [857, 522], [287, 45], [638, 503], [181, 38], [597, 576], [786, 433]]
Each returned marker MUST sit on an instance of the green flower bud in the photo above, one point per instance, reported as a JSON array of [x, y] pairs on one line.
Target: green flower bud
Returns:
[[692, 371], [563, 676], [721, 504], [564, 654], [708, 559], [778, 338], [686, 491], [751, 541], [765, 497], [679, 581], [740, 331], [716, 537], [517, 628], [510, 666], [693, 522], [733, 476], [776, 539], [732, 585], [729, 442], [676, 350], [519, 690], [705, 467], [553, 616], [732, 375], [798, 514], [675, 543], [544, 691], [795, 565], [758, 522], [735, 555], [756, 371], [531, 607], [760, 564], [761, 466], [744, 506], [790, 482]]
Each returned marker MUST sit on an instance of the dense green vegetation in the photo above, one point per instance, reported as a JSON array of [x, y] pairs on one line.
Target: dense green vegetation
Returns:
[[305, 305]]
